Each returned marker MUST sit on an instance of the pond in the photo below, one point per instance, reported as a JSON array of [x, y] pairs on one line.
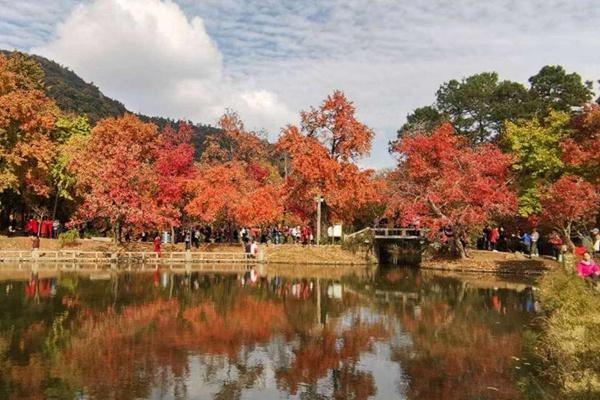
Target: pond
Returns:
[[387, 333]]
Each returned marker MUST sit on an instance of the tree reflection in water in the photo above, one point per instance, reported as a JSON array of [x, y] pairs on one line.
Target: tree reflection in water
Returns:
[[163, 335]]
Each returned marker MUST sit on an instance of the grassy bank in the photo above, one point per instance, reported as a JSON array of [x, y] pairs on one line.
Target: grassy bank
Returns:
[[570, 340]]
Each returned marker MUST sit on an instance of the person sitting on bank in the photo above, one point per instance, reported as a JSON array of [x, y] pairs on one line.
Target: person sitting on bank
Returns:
[[587, 267]]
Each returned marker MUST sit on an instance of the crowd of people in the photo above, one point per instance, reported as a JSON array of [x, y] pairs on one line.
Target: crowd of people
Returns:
[[530, 243], [193, 237], [46, 227], [496, 238]]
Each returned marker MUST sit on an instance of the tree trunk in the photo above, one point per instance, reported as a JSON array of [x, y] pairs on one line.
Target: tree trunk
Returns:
[[55, 206], [567, 235], [460, 249], [117, 232]]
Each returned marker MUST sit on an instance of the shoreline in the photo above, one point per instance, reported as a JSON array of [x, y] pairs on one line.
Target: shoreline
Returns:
[[494, 263]]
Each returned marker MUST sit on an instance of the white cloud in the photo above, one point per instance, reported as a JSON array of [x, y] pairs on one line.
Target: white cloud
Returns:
[[156, 60]]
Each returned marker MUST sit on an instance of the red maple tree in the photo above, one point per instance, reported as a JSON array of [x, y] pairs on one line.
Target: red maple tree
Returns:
[[116, 175], [321, 162], [173, 164], [568, 204], [441, 182], [581, 150], [235, 182]]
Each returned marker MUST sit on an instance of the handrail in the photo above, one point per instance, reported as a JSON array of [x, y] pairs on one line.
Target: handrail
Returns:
[[390, 232], [72, 255], [357, 233]]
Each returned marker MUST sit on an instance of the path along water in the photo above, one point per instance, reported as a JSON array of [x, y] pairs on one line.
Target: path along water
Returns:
[[305, 332]]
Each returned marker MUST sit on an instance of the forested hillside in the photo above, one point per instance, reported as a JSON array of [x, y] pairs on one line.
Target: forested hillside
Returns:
[[74, 95]]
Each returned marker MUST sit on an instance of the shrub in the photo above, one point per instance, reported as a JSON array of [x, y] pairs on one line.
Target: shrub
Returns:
[[68, 237]]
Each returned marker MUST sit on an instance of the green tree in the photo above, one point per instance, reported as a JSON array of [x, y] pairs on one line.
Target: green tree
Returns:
[[553, 89], [476, 106], [423, 119], [71, 135], [535, 146], [479, 105]]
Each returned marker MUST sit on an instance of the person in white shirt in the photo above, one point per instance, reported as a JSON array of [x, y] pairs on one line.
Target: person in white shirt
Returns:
[[535, 237], [596, 240], [254, 249]]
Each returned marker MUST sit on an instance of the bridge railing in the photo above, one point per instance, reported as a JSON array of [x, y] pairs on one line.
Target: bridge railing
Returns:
[[391, 233], [397, 232]]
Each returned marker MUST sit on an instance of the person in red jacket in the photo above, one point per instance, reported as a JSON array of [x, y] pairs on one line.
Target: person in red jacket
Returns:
[[32, 226], [494, 234], [157, 245]]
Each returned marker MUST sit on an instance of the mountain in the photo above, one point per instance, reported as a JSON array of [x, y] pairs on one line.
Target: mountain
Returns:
[[74, 95]]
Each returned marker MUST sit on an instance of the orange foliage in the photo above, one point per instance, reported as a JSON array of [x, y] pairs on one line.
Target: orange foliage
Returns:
[[235, 143], [322, 157], [27, 120], [582, 149], [235, 182], [115, 173]]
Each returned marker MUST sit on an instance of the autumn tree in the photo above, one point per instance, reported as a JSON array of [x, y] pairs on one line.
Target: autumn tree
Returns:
[[322, 155], [535, 147], [233, 142], [116, 176], [235, 182], [581, 149], [568, 205], [442, 181], [27, 119], [335, 126], [174, 167]]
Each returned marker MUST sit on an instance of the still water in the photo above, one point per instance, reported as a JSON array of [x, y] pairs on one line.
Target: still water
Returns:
[[388, 333]]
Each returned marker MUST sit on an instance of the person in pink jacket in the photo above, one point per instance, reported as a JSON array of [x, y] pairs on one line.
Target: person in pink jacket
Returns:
[[587, 268]]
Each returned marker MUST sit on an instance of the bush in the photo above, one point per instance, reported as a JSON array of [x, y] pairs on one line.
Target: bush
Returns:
[[68, 237]]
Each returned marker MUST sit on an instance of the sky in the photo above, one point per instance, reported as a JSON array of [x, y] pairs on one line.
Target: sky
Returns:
[[270, 59]]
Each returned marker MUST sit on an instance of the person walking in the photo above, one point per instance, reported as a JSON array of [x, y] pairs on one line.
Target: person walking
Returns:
[[55, 228], [485, 238], [494, 234], [12, 225], [188, 241], [156, 245], [596, 241], [556, 243], [525, 243], [535, 237], [35, 243]]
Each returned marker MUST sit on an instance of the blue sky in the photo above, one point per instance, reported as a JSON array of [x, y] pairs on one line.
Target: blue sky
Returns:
[[271, 59]]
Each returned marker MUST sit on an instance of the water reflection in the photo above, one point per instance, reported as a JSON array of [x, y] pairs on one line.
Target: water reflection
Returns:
[[396, 333]]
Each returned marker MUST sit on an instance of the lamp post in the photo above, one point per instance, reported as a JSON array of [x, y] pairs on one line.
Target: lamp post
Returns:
[[319, 200]]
